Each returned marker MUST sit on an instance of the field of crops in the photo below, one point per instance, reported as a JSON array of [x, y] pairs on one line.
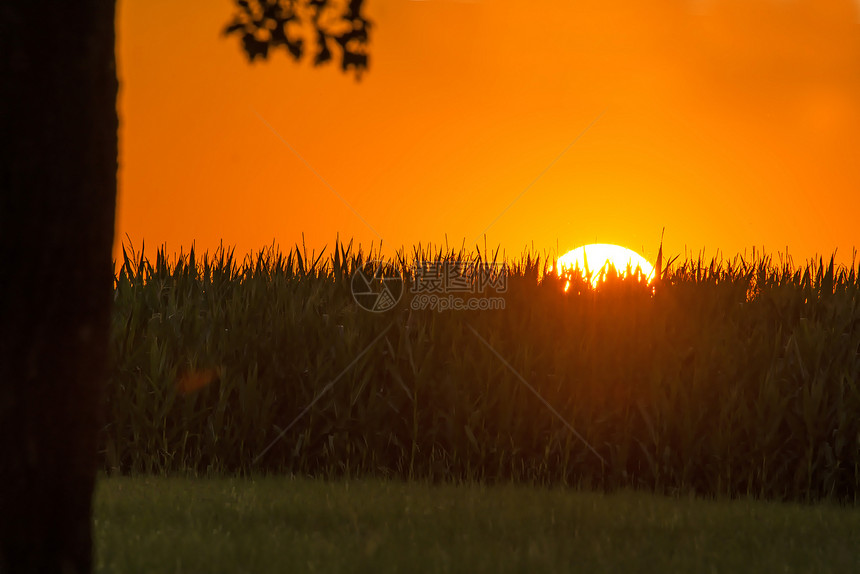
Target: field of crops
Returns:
[[724, 378]]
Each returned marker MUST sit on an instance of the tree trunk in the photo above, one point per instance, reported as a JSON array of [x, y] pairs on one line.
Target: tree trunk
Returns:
[[58, 130]]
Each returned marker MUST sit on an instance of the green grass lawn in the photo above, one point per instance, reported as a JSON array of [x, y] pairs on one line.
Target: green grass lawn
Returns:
[[296, 525]]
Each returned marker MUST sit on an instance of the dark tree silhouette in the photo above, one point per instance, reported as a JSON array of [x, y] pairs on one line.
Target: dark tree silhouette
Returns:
[[268, 24], [58, 125], [58, 130]]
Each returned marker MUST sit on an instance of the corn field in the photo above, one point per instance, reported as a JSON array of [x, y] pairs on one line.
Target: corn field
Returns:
[[723, 378]]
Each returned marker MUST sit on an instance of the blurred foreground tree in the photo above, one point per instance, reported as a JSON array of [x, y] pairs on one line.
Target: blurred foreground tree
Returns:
[[269, 24], [58, 125]]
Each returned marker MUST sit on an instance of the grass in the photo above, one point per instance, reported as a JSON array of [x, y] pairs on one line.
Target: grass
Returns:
[[730, 378], [260, 525]]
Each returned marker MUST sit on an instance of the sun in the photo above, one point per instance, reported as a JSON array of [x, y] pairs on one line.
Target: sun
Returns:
[[596, 258]]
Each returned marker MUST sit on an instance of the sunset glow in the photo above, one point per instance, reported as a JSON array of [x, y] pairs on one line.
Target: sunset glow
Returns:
[[596, 259], [731, 124]]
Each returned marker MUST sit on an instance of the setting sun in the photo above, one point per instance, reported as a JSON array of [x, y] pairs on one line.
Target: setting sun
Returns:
[[314, 240], [595, 260]]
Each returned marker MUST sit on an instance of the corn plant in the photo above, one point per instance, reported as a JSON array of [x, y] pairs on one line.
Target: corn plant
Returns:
[[729, 378]]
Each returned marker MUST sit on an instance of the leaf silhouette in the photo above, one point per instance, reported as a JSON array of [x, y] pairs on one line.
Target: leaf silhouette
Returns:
[[266, 24]]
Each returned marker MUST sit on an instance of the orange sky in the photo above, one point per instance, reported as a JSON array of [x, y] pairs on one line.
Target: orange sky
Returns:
[[731, 123]]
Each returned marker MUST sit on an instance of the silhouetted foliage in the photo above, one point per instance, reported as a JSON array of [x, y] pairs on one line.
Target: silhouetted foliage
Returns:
[[268, 24]]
